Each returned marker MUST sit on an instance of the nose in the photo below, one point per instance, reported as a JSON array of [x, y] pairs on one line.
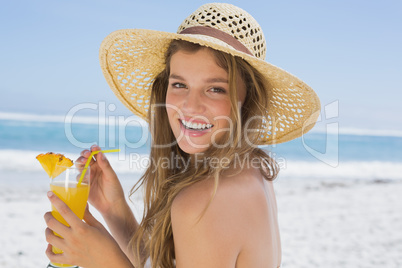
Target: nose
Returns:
[[193, 103]]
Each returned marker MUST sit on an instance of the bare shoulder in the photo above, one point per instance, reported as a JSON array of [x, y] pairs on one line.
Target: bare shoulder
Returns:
[[235, 217], [235, 194]]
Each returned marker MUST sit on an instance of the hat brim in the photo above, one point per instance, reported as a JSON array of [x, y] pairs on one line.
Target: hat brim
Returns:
[[131, 59]]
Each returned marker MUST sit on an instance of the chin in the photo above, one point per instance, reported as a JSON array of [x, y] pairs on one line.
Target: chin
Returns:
[[192, 148]]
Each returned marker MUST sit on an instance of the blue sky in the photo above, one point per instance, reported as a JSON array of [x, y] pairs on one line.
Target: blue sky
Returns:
[[348, 51]]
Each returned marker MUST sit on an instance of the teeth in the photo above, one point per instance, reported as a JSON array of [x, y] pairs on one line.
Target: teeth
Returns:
[[195, 125]]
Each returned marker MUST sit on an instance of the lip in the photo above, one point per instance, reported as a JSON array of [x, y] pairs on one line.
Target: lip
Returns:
[[194, 133], [193, 120]]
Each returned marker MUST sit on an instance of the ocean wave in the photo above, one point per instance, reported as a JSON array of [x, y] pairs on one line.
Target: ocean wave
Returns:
[[76, 119], [25, 161], [134, 163], [344, 171], [359, 132]]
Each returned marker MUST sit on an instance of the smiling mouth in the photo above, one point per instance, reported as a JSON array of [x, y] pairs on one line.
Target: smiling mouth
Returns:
[[195, 126]]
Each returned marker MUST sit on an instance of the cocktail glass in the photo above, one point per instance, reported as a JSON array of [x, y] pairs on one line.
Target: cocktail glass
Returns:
[[73, 188]]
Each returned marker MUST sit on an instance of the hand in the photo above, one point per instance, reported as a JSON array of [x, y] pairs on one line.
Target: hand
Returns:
[[87, 244], [106, 191], [107, 196]]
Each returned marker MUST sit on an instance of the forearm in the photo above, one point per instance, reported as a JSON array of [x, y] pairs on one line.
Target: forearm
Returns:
[[122, 224], [118, 260]]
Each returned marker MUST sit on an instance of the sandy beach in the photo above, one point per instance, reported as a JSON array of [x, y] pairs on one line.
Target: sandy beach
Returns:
[[331, 223]]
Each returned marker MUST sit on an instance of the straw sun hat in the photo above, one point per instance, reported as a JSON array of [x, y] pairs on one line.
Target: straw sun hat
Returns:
[[131, 59]]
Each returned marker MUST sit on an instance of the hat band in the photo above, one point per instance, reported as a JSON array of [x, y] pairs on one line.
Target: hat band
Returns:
[[218, 34]]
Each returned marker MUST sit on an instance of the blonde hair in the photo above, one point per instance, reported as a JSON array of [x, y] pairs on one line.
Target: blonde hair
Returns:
[[161, 184]]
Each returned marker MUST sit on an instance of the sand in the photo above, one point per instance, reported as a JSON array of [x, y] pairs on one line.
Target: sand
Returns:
[[324, 223]]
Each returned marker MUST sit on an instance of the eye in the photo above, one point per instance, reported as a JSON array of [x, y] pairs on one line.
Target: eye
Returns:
[[217, 90], [178, 85]]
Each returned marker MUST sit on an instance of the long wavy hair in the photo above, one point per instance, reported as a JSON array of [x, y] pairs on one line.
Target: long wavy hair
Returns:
[[167, 174]]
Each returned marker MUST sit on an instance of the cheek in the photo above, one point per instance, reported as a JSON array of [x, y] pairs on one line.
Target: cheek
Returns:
[[168, 99], [170, 104], [173, 100], [223, 108], [172, 107], [221, 113]]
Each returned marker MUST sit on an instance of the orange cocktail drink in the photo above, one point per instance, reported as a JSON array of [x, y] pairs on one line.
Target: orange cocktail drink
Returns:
[[72, 192], [70, 184]]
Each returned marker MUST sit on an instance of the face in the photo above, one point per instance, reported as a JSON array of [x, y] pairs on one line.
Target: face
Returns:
[[198, 101]]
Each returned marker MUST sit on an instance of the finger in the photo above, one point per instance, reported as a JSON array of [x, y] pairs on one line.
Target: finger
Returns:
[[67, 214], [49, 249], [85, 153], [95, 148], [53, 224], [104, 164], [54, 258], [88, 153], [91, 220], [54, 239], [80, 162]]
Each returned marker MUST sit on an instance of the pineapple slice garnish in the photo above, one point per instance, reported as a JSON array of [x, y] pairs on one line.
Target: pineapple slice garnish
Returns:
[[54, 164]]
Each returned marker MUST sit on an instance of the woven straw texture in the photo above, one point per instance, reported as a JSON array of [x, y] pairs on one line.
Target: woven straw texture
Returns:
[[130, 60]]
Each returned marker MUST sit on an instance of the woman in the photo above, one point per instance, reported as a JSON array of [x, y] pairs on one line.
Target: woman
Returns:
[[210, 100]]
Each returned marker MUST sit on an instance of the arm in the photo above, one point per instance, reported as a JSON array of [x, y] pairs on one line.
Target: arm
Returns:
[[122, 224], [107, 196], [213, 240]]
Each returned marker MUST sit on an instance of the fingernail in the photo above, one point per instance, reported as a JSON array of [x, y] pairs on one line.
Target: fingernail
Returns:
[[103, 156], [50, 194], [93, 146]]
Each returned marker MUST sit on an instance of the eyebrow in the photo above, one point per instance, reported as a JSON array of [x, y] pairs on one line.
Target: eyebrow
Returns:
[[209, 80]]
